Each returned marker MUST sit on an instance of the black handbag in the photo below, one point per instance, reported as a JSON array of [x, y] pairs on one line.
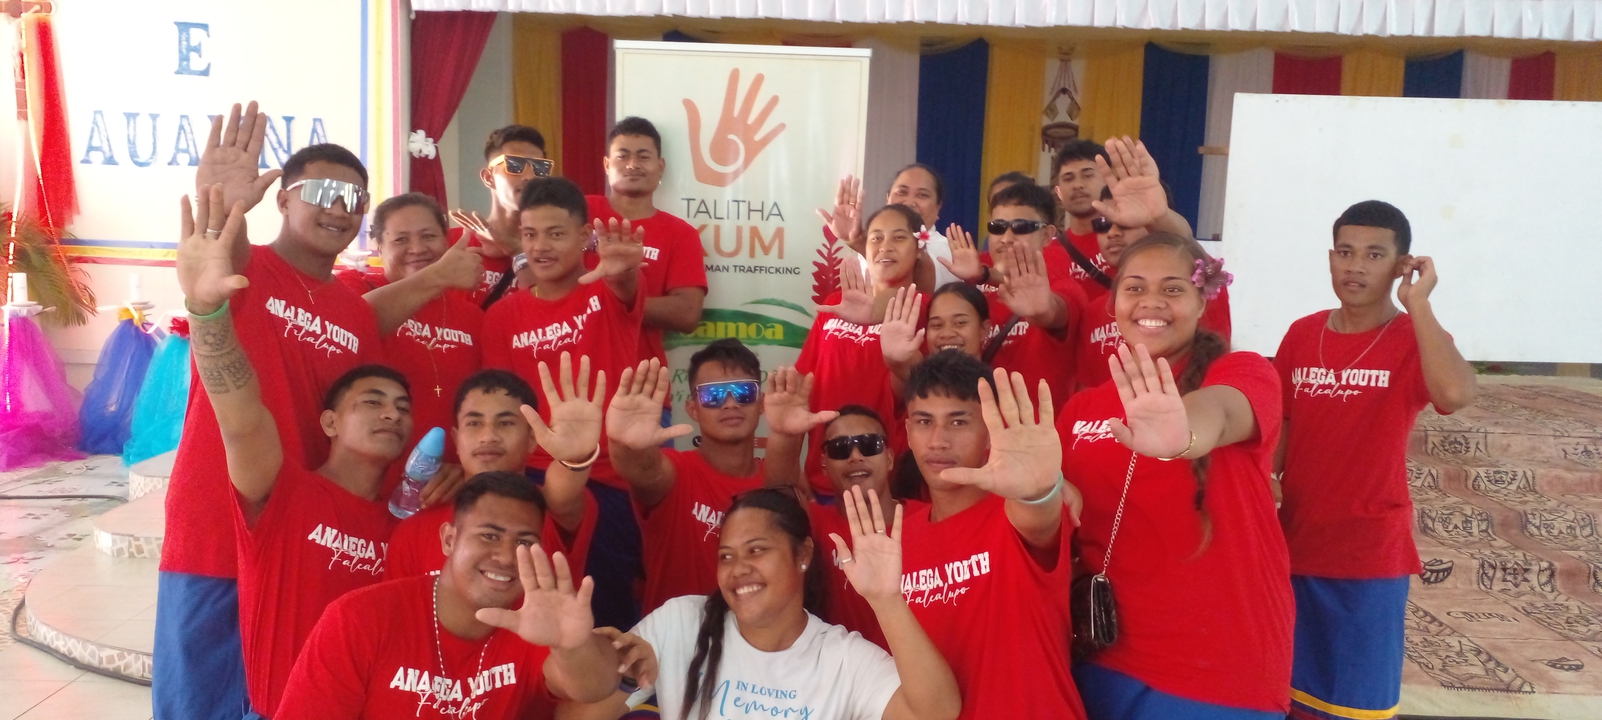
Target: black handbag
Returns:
[[1090, 598]]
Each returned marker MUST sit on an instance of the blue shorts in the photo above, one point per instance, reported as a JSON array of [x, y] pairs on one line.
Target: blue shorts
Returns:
[[1349, 636], [1112, 695], [199, 668], [616, 562]]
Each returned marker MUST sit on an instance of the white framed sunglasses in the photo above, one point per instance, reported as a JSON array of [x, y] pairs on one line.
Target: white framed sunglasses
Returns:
[[322, 192]]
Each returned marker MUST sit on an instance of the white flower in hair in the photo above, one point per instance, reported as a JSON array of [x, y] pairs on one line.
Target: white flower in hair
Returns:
[[923, 236], [420, 145]]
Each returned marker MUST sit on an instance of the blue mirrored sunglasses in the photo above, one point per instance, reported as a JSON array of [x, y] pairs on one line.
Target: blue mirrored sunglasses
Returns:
[[714, 394]]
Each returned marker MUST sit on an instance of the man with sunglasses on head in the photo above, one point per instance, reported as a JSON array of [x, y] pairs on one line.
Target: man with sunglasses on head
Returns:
[[302, 331], [674, 278], [513, 155], [681, 495], [1033, 299]]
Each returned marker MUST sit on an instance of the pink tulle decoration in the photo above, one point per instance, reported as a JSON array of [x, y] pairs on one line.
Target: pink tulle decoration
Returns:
[[38, 409]]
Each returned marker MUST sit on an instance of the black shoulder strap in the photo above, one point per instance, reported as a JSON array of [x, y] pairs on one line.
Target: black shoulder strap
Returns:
[[1084, 263], [994, 346], [499, 289]]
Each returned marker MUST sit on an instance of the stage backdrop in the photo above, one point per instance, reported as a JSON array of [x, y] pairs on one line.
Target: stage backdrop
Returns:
[[749, 174], [1505, 213]]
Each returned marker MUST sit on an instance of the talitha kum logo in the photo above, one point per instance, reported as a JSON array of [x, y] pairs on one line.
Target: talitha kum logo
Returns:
[[738, 138]]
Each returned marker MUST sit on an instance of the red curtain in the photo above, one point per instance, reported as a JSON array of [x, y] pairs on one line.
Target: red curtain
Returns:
[[1532, 78], [1307, 76], [49, 192], [585, 56], [445, 51]]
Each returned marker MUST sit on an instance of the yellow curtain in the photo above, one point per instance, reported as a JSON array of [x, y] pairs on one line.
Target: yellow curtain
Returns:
[[1372, 73], [1114, 83], [1577, 76], [537, 79], [1012, 114]]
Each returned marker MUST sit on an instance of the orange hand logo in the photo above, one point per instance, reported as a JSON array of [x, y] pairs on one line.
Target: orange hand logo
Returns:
[[735, 144]]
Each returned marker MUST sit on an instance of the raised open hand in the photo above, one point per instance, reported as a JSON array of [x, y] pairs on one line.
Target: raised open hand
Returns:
[[634, 419], [620, 247], [964, 262], [553, 615], [637, 659], [873, 561], [899, 336], [206, 271], [1138, 198], [232, 157], [575, 428], [1025, 453], [1157, 425], [856, 293], [845, 220], [737, 141], [472, 224], [787, 403], [1411, 292], [1025, 291]]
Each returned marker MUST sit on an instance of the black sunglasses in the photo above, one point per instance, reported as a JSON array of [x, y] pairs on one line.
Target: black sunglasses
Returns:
[[517, 165], [1101, 225], [840, 448], [1019, 226]]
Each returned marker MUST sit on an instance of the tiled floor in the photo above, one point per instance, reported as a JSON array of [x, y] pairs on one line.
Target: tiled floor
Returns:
[[34, 533]]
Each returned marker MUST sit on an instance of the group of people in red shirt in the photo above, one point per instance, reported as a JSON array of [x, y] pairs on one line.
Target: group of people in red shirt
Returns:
[[930, 532]]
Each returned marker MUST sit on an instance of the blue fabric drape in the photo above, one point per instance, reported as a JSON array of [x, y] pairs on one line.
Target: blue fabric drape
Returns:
[[951, 127], [1440, 77], [1173, 122]]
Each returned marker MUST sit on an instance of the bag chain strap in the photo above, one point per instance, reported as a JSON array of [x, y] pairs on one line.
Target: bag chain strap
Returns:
[[1106, 561]]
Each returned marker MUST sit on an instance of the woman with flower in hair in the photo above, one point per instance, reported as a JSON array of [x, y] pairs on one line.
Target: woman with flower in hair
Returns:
[[1173, 458]]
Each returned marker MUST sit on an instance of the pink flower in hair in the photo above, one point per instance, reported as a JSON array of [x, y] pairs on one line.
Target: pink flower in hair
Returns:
[[1211, 278]]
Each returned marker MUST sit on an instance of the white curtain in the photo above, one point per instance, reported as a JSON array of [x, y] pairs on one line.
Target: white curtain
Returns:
[[1246, 72], [892, 116], [1576, 20], [1485, 77]]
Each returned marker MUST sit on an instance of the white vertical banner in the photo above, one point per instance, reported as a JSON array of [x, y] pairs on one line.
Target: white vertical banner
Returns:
[[756, 138]]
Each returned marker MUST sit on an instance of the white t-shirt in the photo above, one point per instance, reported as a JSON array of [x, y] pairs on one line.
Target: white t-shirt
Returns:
[[829, 673]]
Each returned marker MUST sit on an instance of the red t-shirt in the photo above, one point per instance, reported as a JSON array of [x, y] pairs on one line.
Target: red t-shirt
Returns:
[[1351, 400], [998, 617], [415, 548], [680, 534], [673, 259], [300, 334], [1214, 623], [1033, 352], [1087, 245], [521, 331], [436, 349], [849, 369], [494, 268], [313, 543], [374, 656], [1099, 336], [846, 606]]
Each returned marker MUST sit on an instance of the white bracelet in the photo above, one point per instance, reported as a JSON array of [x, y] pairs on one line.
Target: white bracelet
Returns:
[[1056, 489], [587, 463]]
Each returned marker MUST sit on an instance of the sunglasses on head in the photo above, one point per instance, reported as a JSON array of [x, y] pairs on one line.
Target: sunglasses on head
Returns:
[[714, 394], [519, 165], [1101, 225], [840, 448], [322, 192], [1019, 226]]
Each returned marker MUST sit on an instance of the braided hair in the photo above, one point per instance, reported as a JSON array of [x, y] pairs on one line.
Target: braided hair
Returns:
[[1205, 347], [788, 515]]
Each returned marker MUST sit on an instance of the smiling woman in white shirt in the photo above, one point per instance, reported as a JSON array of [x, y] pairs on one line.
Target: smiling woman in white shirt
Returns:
[[755, 646]]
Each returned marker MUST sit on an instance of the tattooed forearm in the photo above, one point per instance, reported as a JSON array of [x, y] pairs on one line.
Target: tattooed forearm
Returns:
[[222, 363]]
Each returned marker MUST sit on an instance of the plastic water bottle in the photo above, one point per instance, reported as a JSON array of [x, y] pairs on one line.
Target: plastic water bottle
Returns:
[[421, 467]]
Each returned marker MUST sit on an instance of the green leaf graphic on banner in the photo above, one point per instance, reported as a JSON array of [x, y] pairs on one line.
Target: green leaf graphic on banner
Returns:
[[781, 303], [749, 327]]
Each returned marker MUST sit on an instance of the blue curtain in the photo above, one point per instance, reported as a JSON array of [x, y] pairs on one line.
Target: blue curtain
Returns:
[[1440, 77], [951, 126], [1173, 122]]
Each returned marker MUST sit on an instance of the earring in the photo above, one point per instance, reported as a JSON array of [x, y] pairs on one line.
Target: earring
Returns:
[[803, 567]]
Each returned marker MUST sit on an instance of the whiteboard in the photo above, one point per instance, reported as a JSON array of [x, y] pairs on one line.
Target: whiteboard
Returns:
[[1506, 196]]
